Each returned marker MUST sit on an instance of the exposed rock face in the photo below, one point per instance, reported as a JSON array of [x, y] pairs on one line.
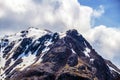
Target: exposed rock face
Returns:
[[52, 56]]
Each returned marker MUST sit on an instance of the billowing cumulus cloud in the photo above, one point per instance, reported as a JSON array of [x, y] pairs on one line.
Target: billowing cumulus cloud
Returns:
[[106, 41], [60, 15], [56, 15]]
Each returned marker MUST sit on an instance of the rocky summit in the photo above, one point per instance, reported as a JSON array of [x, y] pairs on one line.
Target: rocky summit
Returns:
[[35, 54]]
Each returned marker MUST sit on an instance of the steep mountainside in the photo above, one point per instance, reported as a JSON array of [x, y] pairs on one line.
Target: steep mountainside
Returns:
[[36, 54]]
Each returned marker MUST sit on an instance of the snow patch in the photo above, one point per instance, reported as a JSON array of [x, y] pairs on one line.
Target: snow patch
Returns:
[[36, 33], [27, 60], [2, 63], [87, 51], [73, 51], [2, 77], [62, 35], [47, 43], [113, 69], [85, 43], [14, 37], [45, 50], [92, 59]]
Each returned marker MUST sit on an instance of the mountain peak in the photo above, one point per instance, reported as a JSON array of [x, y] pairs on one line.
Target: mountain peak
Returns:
[[43, 55]]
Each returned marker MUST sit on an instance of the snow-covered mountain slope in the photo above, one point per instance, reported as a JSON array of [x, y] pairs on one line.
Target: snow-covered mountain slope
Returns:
[[36, 54]]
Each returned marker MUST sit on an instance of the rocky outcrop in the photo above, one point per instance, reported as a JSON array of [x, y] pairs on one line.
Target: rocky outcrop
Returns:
[[54, 56]]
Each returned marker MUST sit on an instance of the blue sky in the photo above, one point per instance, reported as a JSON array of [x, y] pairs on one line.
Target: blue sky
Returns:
[[111, 16]]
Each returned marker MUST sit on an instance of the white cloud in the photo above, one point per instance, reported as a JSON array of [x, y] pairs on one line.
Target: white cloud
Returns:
[[105, 40], [60, 15], [51, 14], [16, 5], [97, 13]]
